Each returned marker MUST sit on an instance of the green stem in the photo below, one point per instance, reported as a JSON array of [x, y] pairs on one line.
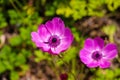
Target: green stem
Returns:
[[14, 6], [18, 3], [60, 56]]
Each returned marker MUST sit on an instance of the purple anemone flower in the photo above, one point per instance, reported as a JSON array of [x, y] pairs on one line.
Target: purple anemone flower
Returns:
[[52, 36], [94, 53]]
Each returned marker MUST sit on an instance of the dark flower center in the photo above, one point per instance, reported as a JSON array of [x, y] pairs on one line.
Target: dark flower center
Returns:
[[54, 41], [96, 55]]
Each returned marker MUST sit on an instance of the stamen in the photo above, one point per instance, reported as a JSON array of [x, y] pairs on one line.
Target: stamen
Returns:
[[54, 41], [96, 55]]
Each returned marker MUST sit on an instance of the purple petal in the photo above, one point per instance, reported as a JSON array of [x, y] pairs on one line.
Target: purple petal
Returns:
[[39, 43], [59, 26], [56, 26], [43, 33], [85, 56], [110, 51], [49, 25], [45, 47], [84, 52], [104, 64], [89, 44], [99, 43], [67, 35], [93, 64], [35, 37], [64, 43]]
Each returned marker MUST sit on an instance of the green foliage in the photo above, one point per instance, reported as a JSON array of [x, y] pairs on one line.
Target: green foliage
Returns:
[[3, 22], [9, 59], [14, 17], [5, 64], [26, 16], [110, 30], [94, 8], [76, 34], [2, 68], [103, 74], [113, 4], [67, 56], [15, 54], [20, 59], [78, 9], [14, 75], [41, 56], [50, 10], [15, 41]]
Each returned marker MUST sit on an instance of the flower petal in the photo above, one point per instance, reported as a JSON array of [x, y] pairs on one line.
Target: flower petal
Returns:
[[35, 37], [50, 27], [56, 26], [45, 47], [85, 56], [43, 33], [39, 43], [67, 35], [104, 64], [89, 44], [65, 42], [99, 43], [93, 64], [110, 51], [59, 26]]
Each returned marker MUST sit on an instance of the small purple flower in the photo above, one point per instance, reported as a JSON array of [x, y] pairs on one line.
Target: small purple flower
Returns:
[[94, 53], [52, 36]]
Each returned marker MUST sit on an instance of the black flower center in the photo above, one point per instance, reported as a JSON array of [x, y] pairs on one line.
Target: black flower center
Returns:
[[96, 55], [54, 41]]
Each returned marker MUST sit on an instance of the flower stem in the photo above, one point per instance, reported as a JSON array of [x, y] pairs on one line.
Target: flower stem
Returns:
[[61, 57], [14, 6]]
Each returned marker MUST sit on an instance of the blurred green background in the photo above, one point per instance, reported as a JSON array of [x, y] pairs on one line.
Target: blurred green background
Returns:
[[20, 59]]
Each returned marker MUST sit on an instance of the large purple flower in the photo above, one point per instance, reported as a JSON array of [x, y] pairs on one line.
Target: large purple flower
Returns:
[[52, 36], [94, 53]]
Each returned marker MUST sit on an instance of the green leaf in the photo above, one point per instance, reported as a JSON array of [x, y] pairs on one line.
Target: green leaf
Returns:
[[20, 60], [113, 4], [24, 69], [68, 56], [26, 53], [39, 55], [25, 33], [12, 13], [14, 17], [2, 67], [12, 58], [3, 22], [110, 30], [50, 11], [6, 50], [7, 65], [14, 75], [15, 41]]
